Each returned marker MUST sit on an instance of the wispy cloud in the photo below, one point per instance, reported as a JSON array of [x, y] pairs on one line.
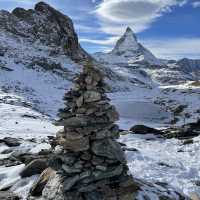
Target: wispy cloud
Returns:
[[115, 15], [108, 41], [21, 1], [196, 4], [174, 48], [84, 28]]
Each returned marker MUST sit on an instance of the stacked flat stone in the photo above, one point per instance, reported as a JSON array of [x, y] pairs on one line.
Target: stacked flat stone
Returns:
[[92, 164]]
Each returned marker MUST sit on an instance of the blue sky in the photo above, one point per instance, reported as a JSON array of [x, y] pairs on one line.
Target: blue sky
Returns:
[[169, 28]]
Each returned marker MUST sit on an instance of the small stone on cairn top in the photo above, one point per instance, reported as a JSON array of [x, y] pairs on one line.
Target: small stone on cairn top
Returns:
[[92, 163]]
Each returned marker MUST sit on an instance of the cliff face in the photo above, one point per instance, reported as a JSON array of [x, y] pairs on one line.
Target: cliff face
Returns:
[[45, 25]]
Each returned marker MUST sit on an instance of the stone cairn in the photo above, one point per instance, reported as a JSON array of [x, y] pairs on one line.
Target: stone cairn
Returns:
[[92, 163]]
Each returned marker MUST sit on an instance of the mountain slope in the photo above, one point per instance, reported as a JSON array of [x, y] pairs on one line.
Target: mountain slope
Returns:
[[190, 66], [38, 51]]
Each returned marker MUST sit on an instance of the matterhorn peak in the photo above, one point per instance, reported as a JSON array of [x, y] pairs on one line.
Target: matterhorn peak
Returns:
[[127, 42], [129, 29], [129, 32], [129, 50]]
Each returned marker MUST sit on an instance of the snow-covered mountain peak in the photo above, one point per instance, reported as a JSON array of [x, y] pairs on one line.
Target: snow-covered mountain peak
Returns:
[[129, 52], [128, 29], [129, 34], [128, 42]]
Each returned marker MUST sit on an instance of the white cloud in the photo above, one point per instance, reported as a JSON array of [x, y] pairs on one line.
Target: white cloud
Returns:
[[174, 48], [84, 28], [20, 1], [196, 4], [115, 15], [109, 41]]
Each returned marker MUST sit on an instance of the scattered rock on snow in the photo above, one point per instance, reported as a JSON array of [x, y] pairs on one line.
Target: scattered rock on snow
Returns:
[[11, 142], [8, 162], [7, 195], [142, 129], [29, 116], [189, 141], [27, 158], [35, 167], [130, 149], [183, 132]]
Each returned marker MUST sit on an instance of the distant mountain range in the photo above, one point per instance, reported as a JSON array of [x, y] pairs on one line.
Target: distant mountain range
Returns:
[[130, 54], [129, 51]]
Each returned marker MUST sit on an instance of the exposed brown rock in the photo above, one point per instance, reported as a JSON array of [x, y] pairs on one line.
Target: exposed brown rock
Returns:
[[39, 185]]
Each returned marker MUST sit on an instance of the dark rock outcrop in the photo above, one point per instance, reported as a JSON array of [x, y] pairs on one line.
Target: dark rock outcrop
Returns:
[[35, 167], [44, 24], [142, 129], [11, 142], [186, 131]]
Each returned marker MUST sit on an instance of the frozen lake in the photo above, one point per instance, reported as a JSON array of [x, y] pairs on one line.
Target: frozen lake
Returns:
[[137, 112]]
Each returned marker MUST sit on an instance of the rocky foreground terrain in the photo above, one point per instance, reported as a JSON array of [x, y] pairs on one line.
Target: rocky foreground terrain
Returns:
[[39, 57]]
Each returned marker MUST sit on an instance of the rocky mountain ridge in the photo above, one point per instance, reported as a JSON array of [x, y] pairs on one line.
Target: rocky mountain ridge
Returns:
[[190, 66], [45, 25]]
